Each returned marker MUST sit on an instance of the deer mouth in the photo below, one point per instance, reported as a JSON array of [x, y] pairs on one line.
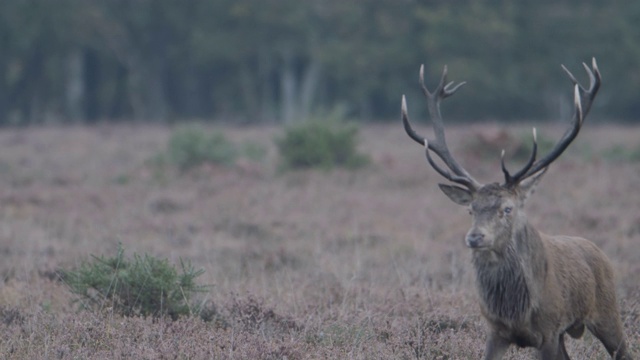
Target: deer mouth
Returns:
[[481, 247]]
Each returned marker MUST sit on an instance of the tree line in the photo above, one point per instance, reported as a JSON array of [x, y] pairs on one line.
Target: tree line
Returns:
[[257, 61]]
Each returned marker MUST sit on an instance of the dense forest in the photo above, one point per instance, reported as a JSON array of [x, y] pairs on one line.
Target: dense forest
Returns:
[[257, 61]]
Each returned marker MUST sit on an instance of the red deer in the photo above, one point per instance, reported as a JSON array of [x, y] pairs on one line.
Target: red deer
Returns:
[[533, 288]]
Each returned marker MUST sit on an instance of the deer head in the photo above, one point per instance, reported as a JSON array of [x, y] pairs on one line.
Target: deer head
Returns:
[[496, 208]]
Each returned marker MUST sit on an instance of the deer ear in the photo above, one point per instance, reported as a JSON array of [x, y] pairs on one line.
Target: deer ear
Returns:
[[528, 185], [457, 194]]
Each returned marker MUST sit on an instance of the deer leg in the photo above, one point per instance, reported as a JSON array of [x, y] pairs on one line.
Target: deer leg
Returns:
[[496, 347], [611, 336], [562, 351], [552, 349]]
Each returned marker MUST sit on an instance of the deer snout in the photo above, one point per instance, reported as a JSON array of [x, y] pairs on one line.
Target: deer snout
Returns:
[[475, 240]]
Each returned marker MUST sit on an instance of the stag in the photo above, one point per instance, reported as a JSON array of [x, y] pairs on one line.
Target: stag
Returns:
[[533, 288]]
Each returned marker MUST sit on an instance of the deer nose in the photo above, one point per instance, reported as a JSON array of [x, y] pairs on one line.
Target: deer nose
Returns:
[[475, 240]]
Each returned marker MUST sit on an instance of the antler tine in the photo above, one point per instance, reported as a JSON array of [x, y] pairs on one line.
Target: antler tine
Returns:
[[578, 104], [513, 180], [582, 99], [595, 79], [425, 91], [454, 178], [573, 78], [407, 125], [594, 75], [435, 165], [458, 174], [448, 91], [507, 177]]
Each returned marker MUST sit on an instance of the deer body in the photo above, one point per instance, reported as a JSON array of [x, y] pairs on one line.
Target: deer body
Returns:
[[533, 288], [538, 287]]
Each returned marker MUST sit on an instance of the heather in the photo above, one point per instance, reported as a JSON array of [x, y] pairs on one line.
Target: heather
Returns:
[[364, 263]]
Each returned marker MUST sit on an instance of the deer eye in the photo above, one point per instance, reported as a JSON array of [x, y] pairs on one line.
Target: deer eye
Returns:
[[507, 210]]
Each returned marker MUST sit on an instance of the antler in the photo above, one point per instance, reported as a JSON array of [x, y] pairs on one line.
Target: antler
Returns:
[[458, 174], [582, 99]]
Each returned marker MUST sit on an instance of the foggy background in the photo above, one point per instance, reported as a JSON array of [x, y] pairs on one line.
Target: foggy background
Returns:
[[281, 61]]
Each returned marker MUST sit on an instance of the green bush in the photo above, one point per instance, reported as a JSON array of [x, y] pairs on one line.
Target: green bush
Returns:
[[254, 152], [316, 144], [143, 285], [190, 147]]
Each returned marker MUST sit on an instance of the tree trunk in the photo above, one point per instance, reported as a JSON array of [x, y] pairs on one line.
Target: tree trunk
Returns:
[[74, 92], [288, 88], [309, 86], [266, 97], [155, 100], [147, 89], [4, 93], [248, 84]]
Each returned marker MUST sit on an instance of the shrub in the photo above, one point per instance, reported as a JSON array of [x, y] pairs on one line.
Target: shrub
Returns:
[[190, 147], [316, 144], [143, 285], [254, 152]]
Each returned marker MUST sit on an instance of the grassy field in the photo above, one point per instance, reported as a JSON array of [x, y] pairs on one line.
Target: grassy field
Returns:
[[303, 265]]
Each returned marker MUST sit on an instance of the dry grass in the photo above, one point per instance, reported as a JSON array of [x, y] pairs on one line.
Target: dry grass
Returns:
[[310, 265]]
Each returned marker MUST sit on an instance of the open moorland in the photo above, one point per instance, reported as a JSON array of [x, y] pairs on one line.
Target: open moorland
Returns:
[[366, 264]]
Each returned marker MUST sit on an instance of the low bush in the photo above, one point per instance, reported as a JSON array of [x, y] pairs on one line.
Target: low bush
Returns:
[[317, 144], [143, 285], [191, 147]]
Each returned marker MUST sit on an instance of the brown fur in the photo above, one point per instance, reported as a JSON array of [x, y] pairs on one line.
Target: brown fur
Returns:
[[533, 287]]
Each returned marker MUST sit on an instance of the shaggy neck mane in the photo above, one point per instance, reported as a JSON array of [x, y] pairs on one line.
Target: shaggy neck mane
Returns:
[[502, 277]]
